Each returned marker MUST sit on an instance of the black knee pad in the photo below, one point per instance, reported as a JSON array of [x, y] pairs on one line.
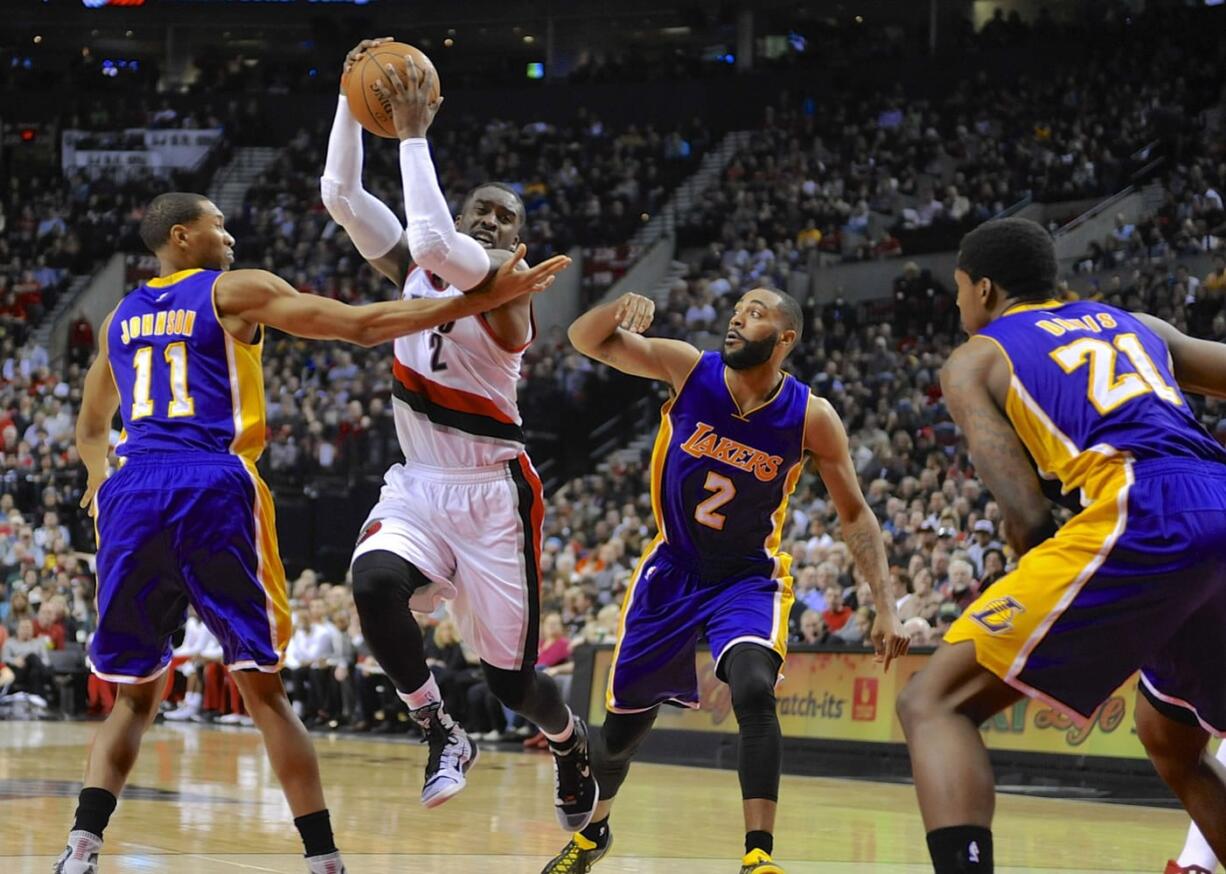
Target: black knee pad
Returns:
[[381, 578], [752, 672]]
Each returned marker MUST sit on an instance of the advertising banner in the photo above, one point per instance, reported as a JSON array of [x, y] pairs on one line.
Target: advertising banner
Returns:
[[846, 697], [136, 149]]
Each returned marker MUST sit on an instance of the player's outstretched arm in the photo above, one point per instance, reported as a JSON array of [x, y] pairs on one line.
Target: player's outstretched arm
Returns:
[[610, 333], [975, 383], [433, 239], [374, 229], [99, 402], [257, 297], [826, 441], [1200, 365]]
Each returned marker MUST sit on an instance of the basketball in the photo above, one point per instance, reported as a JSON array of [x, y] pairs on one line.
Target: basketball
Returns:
[[373, 111]]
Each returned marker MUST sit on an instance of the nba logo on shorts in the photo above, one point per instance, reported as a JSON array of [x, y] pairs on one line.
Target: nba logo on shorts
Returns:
[[864, 699], [998, 615]]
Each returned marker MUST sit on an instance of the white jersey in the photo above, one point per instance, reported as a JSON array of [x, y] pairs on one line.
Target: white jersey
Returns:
[[454, 393]]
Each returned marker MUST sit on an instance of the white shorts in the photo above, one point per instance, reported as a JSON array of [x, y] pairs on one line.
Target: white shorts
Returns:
[[476, 534]]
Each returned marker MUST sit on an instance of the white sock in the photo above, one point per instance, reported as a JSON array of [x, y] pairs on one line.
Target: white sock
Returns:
[[565, 735], [1196, 850], [425, 696]]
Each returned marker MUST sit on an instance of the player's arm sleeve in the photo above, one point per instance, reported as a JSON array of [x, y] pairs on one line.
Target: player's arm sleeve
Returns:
[[1199, 366], [368, 221], [435, 243]]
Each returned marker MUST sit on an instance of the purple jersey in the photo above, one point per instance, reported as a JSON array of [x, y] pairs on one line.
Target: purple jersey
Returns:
[[184, 382], [721, 478], [1091, 386]]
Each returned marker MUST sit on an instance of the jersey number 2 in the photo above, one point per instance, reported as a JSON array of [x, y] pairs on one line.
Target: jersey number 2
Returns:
[[181, 403], [1107, 389], [436, 347], [725, 491]]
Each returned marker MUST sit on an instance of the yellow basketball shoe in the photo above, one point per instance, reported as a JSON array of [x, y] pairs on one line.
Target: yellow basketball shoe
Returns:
[[578, 856], [759, 862]]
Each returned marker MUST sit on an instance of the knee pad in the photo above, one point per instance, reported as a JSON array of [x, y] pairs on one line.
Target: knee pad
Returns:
[[381, 578]]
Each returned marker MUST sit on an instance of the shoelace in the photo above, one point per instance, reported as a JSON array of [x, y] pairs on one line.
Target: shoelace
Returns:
[[444, 743]]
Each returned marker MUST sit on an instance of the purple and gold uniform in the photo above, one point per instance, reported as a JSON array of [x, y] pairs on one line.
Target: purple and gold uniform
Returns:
[[720, 481], [1137, 579], [186, 518]]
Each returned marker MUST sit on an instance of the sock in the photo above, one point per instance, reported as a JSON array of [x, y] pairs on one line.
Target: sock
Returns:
[[94, 808], [316, 831], [426, 695], [597, 833], [763, 841], [561, 739], [961, 849], [1196, 850]]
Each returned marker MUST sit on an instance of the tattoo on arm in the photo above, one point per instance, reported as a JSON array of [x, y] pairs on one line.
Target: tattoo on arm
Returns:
[[863, 538], [999, 456]]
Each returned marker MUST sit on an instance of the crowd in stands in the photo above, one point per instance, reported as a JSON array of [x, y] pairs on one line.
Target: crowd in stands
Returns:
[[858, 174]]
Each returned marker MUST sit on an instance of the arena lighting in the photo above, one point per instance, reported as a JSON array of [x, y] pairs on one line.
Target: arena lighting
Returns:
[[536, 70], [28, 134]]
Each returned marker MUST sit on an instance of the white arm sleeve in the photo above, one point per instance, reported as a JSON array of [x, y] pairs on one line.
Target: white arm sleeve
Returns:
[[367, 220], [435, 243]]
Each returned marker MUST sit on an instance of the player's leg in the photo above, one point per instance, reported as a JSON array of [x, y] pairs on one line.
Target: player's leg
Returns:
[[1179, 750], [613, 747], [1197, 856], [140, 604], [752, 671], [293, 759], [940, 711], [236, 582], [383, 584], [747, 631]]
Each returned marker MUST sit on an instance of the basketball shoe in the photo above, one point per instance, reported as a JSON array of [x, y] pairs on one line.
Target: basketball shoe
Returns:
[[329, 864], [452, 753], [578, 856], [575, 791], [81, 854], [759, 862], [1173, 867]]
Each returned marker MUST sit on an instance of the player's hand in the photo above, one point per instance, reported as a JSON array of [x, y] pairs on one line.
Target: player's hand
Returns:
[[357, 53], [511, 282], [412, 109], [635, 312], [889, 641], [91, 489]]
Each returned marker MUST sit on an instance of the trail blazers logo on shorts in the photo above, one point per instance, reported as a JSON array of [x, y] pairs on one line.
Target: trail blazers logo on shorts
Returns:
[[998, 615], [372, 528]]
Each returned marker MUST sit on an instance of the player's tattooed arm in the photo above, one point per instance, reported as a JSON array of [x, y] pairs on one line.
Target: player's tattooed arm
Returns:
[[975, 382], [1199, 365], [99, 403], [826, 441], [611, 333]]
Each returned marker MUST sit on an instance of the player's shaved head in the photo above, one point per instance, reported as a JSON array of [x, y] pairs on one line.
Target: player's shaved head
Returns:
[[167, 210]]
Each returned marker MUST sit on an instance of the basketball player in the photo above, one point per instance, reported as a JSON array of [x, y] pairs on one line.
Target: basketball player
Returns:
[[186, 519], [461, 518], [1136, 580], [732, 444]]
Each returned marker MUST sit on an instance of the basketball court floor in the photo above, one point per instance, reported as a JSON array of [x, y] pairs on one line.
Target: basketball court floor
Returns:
[[204, 799]]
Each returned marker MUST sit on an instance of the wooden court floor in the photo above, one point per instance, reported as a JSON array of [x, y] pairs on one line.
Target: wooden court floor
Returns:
[[204, 799]]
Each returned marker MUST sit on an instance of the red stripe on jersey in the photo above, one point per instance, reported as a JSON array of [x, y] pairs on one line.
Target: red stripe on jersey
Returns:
[[450, 398]]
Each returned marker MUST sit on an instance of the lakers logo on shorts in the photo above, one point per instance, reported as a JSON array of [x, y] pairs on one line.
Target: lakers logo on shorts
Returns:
[[372, 527], [998, 615]]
